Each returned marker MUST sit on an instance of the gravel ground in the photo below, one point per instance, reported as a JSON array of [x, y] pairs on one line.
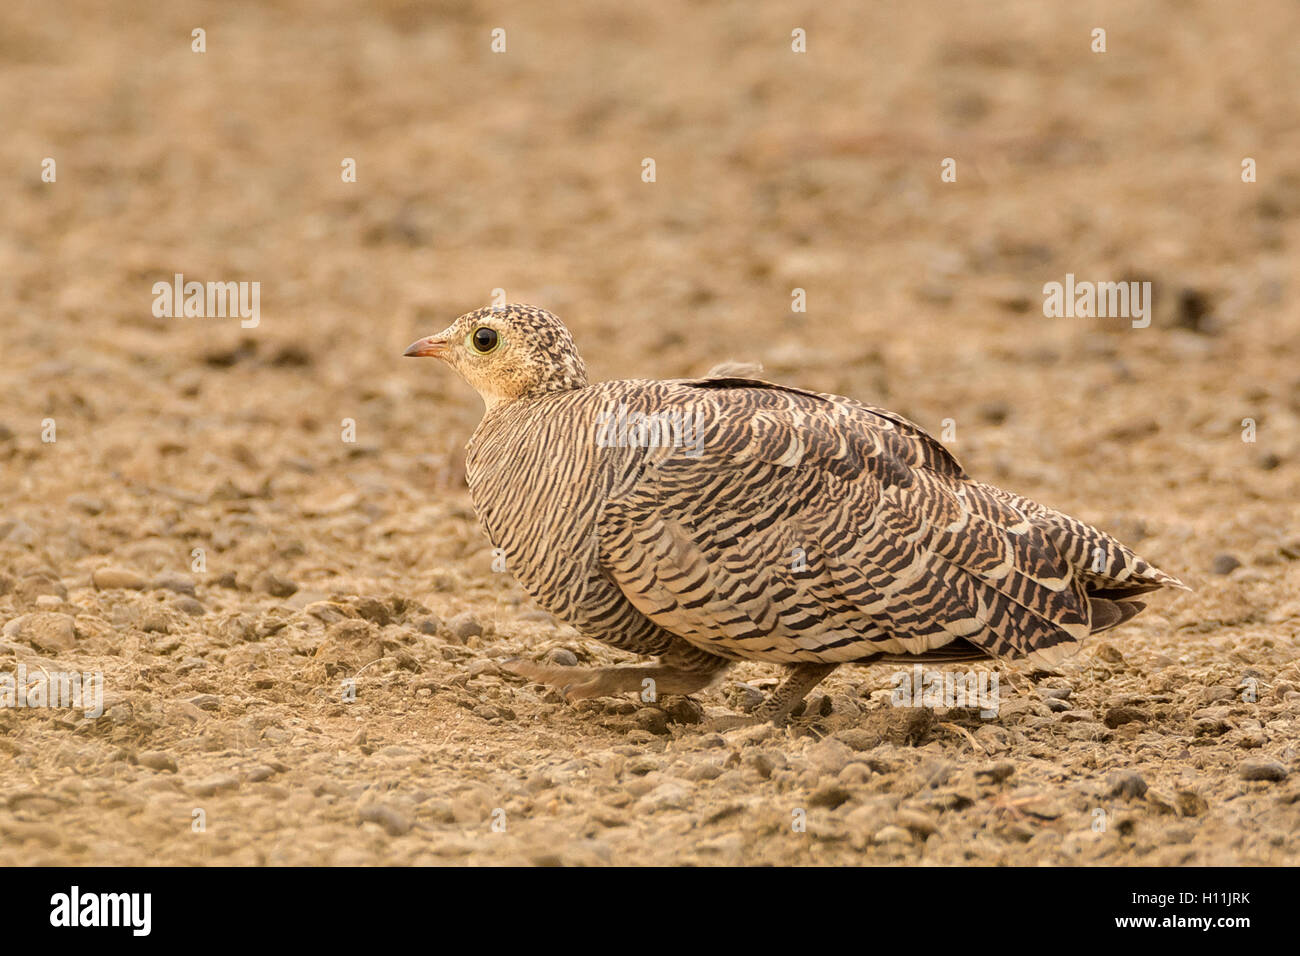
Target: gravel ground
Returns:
[[300, 634]]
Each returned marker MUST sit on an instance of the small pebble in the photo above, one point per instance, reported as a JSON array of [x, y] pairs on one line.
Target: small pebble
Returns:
[[831, 796], [480, 668], [213, 785], [374, 610], [828, 756], [108, 578], [762, 764], [669, 795], [1189, 803], [652, 719], [465, 625], [892, 834], [178, 583], [745, 697], [640, 766], [44, 630], [157, 760], [1269, 770], [1109, 654], [704, 771], [1118, 716], [155, 621], [917, 822], [189, 606], [394, 822], [995, 772], [682, 710], [1224, 564], [86, 503], [275, 585], [1127, 783]]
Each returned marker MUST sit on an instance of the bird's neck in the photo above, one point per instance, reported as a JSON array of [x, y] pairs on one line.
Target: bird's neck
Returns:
[[496, 401]]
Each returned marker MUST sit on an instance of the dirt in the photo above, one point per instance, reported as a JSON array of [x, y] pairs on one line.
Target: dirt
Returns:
[[202, 531]]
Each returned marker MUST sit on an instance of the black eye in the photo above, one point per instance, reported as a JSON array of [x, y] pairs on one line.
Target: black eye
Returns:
[[484, 339]]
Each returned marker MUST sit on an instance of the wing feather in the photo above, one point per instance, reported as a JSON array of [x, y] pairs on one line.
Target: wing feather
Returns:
[[814, 528]]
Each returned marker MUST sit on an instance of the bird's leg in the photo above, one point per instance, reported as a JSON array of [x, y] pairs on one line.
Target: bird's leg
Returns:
[[799, 679], [576, 683]]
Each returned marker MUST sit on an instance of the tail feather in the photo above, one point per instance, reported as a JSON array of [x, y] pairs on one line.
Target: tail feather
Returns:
[[1123, 593], [1107, 614]]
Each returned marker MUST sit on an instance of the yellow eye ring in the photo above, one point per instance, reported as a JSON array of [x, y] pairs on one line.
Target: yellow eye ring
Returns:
[[483, 340]]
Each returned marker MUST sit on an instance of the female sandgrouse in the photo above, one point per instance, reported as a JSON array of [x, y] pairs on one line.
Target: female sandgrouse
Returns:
[[706, 521]]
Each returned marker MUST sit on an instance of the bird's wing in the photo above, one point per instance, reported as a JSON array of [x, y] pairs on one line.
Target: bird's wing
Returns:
[[812, 528]]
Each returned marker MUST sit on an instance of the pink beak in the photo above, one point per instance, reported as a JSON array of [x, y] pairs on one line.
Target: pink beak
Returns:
[[429, 345]]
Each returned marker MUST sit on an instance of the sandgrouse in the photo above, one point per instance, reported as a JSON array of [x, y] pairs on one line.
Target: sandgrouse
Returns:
[[706, 521]]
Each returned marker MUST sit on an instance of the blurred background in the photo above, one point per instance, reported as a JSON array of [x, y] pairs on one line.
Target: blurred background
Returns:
[[522, 171], [774, 171]]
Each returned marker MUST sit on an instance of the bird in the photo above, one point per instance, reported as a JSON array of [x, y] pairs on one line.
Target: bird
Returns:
[[700, 522]]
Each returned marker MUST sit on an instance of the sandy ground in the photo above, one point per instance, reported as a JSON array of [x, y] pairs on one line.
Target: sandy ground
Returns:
[[227, 735]]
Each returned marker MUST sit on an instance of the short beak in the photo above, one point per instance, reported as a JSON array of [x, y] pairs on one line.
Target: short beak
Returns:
[[429, 345]]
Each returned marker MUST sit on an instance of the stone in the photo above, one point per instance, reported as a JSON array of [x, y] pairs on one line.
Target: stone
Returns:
[[1127, 783], [669, 795], [157, 760], [189, 605], [892, 834], [1268, 770], [178, 583], [464, 626], [275, 585], [831, 795], [1118, 716], [1224, 564], [916, 821], [86, 503], [828, 756], [213, 785], [106, 579], [995, 772], [46, 631], [652, 719], [394, 821], [682, 710]]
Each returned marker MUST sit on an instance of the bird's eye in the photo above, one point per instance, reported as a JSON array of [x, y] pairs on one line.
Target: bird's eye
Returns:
[[484, 340]]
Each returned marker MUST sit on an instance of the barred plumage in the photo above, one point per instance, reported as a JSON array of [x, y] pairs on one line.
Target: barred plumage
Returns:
[[704, 521]]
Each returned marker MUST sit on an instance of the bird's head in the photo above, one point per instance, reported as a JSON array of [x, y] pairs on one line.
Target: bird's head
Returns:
[[508, 352]]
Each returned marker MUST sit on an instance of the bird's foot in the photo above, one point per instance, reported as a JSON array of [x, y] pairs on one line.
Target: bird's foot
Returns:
[[800, 679]]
